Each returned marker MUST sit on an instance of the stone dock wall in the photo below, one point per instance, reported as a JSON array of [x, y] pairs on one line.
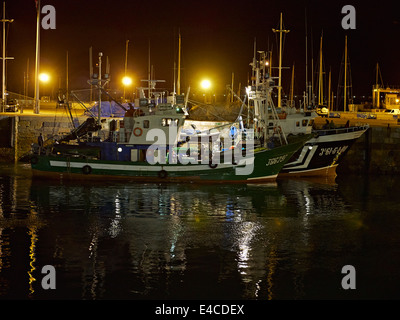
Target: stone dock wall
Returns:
[[375, 152], [17, 133]]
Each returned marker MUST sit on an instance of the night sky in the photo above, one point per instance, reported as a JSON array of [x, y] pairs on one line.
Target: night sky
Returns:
[[217, 39]]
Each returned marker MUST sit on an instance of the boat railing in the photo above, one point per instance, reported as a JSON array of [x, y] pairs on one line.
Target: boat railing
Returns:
[[341, 130]]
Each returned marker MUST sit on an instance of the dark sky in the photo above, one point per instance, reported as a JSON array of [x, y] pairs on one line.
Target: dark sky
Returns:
[[217, 39]]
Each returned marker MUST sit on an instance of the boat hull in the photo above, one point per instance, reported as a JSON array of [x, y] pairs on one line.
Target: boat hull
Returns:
[[263, 166], [321, 155]]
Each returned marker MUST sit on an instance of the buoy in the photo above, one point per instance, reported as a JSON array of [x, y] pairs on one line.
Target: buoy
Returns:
[[137, 134]]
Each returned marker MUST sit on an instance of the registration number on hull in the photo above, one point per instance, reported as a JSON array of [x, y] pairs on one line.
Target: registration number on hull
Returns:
[[276, 160], [332, 150]]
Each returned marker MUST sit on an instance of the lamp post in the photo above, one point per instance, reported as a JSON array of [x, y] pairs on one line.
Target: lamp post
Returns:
[[4, 58], [37, 62]]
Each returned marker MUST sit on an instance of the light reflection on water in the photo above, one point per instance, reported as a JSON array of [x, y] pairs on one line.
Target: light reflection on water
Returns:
[[287, 240]]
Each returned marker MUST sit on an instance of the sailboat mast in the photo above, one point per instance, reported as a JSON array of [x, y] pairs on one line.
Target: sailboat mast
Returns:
[[312, 72], [179, 66], [320, 91], [329, 90], [91, 72], [67, 77], [306, 96], [253, 76], [233, 77], [280, 60], [149, 74], [126, 63], [291, 88], [99, 86], [345, 73]]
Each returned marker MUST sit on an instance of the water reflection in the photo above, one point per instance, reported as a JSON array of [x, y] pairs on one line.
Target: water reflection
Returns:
[[135, 241]]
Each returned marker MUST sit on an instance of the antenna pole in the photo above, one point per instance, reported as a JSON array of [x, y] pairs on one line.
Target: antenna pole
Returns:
[[280, 60]]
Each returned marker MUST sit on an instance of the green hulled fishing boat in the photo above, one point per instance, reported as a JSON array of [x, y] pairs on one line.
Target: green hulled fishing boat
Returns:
[[148, 145]]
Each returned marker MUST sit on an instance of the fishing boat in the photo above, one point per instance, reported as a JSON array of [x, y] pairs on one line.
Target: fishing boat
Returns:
[[147, 147], [321, 155], [328, 144]]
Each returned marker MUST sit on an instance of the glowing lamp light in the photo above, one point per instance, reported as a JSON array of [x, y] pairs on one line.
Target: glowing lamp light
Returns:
[[44, 77], [126, 81], [206, 84]]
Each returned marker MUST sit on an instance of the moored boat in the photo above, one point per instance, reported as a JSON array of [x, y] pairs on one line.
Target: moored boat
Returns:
[[322, 154], [146, 147]]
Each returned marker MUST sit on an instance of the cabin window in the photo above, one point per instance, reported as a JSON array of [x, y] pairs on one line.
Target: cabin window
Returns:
[[146, 124], [168, 122], [310, 124], [304, 123], [297, 123]]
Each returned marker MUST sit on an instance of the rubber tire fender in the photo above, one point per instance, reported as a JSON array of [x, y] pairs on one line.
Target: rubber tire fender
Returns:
[[87, 169], [162, 174]]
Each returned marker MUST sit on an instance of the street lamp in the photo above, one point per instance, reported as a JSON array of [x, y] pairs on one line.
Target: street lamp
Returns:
[[44, 77], [126, 81], [206, 84]]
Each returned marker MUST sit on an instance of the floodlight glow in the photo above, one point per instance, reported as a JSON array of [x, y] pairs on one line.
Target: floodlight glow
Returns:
[[44, 77], [206, 84], [127, 81]]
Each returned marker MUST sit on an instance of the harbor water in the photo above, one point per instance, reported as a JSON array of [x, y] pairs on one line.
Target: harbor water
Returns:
[[283, 241]]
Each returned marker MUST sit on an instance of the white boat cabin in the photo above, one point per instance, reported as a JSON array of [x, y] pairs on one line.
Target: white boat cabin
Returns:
[[295, 123], [164, 116]]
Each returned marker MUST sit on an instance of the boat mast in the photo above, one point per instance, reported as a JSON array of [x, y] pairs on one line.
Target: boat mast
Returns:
[[126, 63], [179, 65], [320, 91], [149, 74], [253, 77], [91, 72], [280, 60], [312, 72], [345, 73], [99, 87], [306, 95], [329, 90], [292, 88], [67, 76]]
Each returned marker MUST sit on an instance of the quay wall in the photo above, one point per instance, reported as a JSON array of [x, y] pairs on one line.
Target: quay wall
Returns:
[[376, 152], [17, 133]]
